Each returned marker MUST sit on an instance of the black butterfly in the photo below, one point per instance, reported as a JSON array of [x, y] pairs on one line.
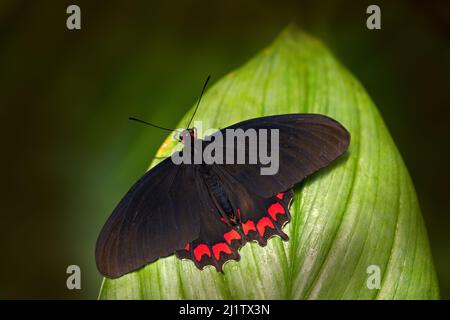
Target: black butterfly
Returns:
[[205, 213]]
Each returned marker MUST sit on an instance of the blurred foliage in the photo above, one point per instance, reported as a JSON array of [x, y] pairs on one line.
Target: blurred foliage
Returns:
[[70, 154]]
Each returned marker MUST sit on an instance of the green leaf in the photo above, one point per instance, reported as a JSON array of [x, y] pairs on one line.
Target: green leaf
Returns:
[[360, 211]]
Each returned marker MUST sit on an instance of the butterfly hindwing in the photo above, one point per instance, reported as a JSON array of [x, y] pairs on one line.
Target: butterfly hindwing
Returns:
[[260, 223], [260, 218], [218, 241]]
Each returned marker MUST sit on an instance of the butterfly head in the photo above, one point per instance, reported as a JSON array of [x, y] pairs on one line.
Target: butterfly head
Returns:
[[186, 134]]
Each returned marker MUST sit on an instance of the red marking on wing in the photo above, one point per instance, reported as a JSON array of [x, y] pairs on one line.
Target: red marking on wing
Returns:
[[187, 247], [220, 247], [263, 224], [280, 195], [231, 235], [249, 225], [201, 250], [275, 209]]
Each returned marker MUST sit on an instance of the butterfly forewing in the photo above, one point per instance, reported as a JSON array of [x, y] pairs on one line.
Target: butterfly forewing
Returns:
[[307, 143], [157, 216]]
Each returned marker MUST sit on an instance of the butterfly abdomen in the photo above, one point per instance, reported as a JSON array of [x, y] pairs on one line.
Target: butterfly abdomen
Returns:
[[219, 196]]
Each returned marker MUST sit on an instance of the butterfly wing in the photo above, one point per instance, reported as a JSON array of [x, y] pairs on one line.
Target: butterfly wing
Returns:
[[307, 143], [157, 216], [259, 217], [218, 241]]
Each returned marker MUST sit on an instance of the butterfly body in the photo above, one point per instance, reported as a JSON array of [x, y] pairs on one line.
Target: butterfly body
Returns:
[[207, 212], [219, 196]]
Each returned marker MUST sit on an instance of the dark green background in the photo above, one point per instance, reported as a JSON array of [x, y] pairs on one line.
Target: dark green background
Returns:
[[69, 153]]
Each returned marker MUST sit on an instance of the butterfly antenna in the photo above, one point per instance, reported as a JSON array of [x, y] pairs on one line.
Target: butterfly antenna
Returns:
[[150, 124], [199, 99]]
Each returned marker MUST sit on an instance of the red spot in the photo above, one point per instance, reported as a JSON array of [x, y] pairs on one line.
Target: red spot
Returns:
[[263, 224], [275, 209], [223, 219], [249, 225], [187, 247], [201, 250], [220, 247], [280, 195], [231, 235]]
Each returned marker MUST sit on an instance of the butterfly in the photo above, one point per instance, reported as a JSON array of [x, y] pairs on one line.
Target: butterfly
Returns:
[[207, 212]]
